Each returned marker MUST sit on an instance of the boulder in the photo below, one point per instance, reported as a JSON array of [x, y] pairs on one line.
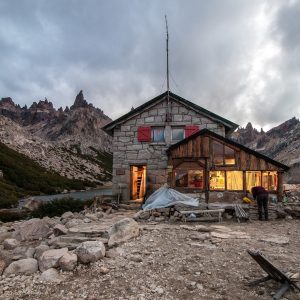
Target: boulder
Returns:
[[51, 275], [90, 251], [39, 250], [68, 261], [60, 229], [10, 244], [49, 259], [67, 215], [122, 231], [33, 229], [22, 266]]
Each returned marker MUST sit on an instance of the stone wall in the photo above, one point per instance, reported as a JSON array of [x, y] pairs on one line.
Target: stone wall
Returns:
[[127, 150]]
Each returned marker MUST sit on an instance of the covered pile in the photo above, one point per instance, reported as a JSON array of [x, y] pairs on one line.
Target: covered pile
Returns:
[[166, 197]]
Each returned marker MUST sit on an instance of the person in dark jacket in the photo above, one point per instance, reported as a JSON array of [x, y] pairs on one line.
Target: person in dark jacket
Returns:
[[261, 196]]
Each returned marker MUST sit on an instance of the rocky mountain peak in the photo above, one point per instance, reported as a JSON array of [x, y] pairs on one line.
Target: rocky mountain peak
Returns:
[[43, 105], [80, 101], [7, 101], [283, 128], [249, 126]]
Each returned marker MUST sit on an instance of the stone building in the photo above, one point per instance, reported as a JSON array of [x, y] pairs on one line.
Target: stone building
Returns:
[[172, 140]]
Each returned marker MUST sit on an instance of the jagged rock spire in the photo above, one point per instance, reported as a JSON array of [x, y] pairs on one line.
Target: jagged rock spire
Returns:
[[79, 101]]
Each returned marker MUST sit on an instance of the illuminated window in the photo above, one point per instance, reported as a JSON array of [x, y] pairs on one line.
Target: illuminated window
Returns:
[[177, 134], [217, 180], [158, 134], [189, 175], [253, 178], [269, 180], [234, 180], [223, 155]]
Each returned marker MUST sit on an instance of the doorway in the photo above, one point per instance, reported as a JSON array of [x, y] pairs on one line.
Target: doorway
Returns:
[[138, 182]]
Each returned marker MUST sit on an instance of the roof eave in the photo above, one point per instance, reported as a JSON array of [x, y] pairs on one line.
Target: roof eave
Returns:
[[246, 149]]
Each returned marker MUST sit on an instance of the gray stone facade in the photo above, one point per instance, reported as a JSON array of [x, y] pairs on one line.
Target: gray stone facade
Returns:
[[127, 150]]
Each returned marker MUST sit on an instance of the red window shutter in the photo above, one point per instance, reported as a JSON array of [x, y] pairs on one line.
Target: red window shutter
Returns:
[[190, 129], [144, 134]]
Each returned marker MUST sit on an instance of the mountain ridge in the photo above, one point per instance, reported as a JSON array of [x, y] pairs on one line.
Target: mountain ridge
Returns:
[[70, 141]]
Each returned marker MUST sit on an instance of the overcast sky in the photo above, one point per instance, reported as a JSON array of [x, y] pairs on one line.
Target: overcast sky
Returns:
[[239, 59]]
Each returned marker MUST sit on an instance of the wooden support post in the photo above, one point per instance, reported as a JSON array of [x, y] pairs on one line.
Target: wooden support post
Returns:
[[280, 186], [206, 182]]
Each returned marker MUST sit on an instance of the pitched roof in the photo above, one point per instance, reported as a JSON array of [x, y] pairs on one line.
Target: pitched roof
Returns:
[[228, 141], [229, 126]]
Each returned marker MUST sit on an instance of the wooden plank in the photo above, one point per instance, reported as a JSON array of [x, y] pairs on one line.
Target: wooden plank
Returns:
[[206, 146], [243, 160]]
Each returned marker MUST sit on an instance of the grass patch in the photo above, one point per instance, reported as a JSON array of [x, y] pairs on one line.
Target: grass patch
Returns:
[[57, 207]]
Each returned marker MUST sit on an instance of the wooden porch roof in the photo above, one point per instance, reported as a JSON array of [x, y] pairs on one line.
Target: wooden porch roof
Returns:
[[206, 132]]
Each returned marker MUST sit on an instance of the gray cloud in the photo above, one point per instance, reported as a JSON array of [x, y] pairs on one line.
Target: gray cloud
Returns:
[[236, 58]]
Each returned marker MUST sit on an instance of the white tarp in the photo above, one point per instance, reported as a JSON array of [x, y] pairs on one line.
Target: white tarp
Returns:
[[165, 197]]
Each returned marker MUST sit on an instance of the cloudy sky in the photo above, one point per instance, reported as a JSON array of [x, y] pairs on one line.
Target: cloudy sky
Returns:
[[239, 59]]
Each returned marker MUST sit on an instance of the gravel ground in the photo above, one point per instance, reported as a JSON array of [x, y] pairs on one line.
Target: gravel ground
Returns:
[[173, 261]]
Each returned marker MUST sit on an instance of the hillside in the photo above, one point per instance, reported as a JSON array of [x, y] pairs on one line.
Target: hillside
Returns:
[[22, 176], [281, 143], [69, 142]]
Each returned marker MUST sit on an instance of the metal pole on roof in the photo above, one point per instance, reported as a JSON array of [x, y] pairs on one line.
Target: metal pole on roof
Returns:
[[167, 42], [168, 82]]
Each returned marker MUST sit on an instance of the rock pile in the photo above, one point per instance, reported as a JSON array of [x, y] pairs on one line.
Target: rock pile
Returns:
[[291, 202], [61, 243]]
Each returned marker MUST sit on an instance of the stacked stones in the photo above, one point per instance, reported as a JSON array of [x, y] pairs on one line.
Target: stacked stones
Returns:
[[272, 209], [49, 244]]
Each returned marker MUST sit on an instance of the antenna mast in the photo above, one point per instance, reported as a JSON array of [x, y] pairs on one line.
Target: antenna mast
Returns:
[[168, 115], [167, 43]]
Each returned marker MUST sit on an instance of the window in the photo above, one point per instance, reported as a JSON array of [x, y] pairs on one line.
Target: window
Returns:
[[234, 180], [269, 180], [217, 180], [253, 178], [189, 175], [177, 134], [218, 153], [158, 134], [223, 155], [229, 156]]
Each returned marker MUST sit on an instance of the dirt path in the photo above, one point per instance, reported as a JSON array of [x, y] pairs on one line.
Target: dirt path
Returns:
[[168, 261]]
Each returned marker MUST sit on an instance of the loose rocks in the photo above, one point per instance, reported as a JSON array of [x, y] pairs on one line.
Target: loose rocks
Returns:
[[90, 251]]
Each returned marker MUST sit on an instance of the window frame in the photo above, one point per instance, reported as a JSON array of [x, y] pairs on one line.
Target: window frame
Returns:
[[153, 128], [196, 166], [177, 127], [223, 154]]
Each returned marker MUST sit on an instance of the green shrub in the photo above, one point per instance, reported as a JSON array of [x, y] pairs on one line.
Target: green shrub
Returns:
[[57, 207]]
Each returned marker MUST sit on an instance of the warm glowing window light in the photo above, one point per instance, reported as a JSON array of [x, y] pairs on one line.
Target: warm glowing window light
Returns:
[[270, 180], [253, 178], [217, 180], [234, 180]]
